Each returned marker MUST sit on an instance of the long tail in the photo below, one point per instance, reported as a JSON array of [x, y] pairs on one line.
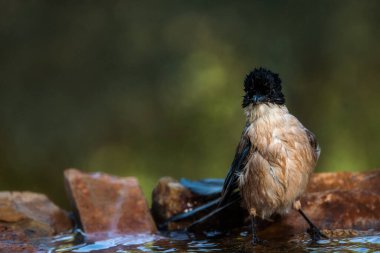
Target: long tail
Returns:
[[235, 197], [210, 189]]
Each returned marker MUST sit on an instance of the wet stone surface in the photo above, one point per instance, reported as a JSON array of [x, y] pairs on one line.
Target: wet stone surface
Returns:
[[106, 204], [169, 198], [115, 215], [27, 216], [327, 181]]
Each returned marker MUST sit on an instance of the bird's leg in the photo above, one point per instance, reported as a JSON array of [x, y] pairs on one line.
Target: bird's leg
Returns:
[[255, 239], [313, 230]]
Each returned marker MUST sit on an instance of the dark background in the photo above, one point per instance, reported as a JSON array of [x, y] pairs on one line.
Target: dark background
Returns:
[[151, 89]]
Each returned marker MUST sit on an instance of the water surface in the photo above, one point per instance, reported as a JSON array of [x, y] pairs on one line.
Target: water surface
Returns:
[[212, 242]]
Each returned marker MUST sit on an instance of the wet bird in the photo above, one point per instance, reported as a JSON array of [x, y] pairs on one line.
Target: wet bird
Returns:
[[273, 161], [275, 157]]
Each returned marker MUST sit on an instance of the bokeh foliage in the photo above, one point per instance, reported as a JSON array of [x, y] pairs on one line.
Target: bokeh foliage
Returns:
[[154, 88]]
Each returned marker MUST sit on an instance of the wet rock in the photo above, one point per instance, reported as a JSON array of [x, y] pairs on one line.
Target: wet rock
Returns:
[[333, 201], [345, 181], [106, 204], [169, 198], [331, 210], [28, 215]]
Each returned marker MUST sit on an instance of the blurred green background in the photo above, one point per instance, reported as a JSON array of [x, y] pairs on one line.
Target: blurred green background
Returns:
[[150, 89]]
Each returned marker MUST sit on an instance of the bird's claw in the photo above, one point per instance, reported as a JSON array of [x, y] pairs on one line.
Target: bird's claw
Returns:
[[316, 234]]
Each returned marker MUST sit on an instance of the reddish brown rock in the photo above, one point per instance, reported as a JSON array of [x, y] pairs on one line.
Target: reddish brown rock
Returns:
[[333, 201], [169, 198], [336, 209], [27, 215], [108, 204], [345, 181]]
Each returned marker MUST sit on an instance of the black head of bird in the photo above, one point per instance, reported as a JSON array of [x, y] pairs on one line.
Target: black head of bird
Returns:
[[262, 86]]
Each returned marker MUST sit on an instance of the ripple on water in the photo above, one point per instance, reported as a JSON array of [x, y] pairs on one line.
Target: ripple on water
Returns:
[[181, 242]]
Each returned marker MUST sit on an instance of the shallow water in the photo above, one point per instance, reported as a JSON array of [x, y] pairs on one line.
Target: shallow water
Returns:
[[212, 242]]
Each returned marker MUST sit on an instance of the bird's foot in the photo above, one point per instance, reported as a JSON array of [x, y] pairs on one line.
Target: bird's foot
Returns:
[[316, 234]]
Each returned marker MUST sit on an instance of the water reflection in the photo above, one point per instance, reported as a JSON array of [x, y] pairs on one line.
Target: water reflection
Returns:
[[237, 241]]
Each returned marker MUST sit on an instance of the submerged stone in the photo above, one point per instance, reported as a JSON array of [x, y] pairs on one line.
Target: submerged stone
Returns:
[[107, 205]]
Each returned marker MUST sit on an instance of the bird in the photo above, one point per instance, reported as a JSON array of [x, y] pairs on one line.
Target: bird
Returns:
[[275, 157], [273, 162]]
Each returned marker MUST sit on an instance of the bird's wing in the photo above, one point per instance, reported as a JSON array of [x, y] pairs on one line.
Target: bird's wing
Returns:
[[313, 143], [241, 157]]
